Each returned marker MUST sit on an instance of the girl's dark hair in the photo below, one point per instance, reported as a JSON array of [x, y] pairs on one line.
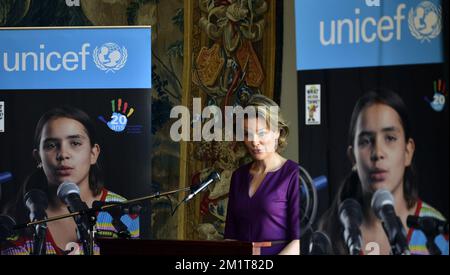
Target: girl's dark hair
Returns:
[[351, 186], [38, 179]]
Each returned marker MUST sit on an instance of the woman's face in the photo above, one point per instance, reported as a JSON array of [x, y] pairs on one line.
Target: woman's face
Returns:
[[66, 152], [380, 151], [259, 139]]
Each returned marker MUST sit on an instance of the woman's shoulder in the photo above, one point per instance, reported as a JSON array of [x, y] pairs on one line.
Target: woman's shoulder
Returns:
[[417, 238], [291, 166], [109, 196], [426, 210], [243, 169]]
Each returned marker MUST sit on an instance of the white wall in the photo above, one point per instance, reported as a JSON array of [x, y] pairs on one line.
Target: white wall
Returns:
[[289, 101]]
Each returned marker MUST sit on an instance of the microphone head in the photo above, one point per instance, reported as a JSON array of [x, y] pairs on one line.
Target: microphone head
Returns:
[[320, 244], [67, 188], [211, 178], [35, 196], [215, 176], [37, 202], [6, 227], [381, 198], [351, 208]]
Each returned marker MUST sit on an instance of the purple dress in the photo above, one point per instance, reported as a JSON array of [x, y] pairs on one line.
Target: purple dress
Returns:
[[271, 214]]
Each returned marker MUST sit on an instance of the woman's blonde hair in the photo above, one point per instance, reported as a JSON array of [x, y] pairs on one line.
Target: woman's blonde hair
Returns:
[[270, 111]]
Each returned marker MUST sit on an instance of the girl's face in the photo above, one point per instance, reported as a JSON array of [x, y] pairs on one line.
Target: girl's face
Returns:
[[66, 151], [380, 151], [259, 139]]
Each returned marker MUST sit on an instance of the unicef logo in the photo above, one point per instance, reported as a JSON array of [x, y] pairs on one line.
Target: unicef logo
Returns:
[[425, 21], [110, 57]]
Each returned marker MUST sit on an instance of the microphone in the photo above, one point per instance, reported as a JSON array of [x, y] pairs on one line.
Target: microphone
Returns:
[[69, 193], [429, 225], [214, 176], [37, 202], [6, 227], [320, 244], [350, 215], [383, 206], [319, 183]]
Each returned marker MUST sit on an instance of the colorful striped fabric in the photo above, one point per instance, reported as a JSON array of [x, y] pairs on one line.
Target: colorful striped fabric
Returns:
[[104, 219], [23, 245], [417, 239]]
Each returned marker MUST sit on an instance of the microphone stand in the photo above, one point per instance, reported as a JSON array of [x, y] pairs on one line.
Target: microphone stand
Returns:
[[399, 245], [90, 214], [39, 246], [86, 234]]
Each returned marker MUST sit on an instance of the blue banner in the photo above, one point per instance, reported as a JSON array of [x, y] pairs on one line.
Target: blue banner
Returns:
[[75, 58], [365, 33]]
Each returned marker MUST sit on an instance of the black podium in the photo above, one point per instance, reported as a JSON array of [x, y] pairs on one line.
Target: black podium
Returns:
[[179, 247]]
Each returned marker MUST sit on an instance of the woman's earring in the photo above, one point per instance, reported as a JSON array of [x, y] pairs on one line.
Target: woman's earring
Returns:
[[39, 166], [276, 144], [354, 169]]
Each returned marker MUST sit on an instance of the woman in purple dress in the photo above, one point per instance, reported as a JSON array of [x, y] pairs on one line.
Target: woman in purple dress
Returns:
[[264, 198]]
